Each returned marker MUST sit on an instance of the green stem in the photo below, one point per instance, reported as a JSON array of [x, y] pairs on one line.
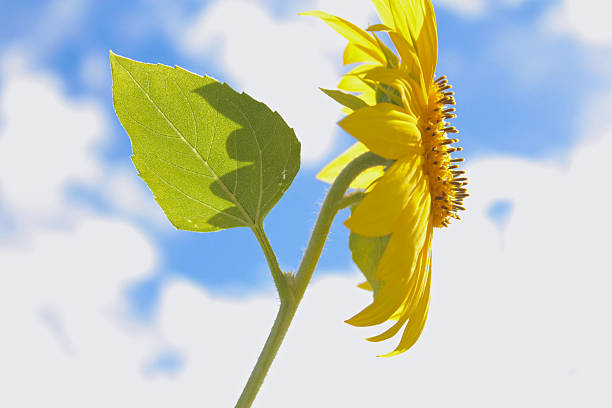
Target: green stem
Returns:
[[280, 279], [291, 290], [273, 343], [328, 212], [350, 199]]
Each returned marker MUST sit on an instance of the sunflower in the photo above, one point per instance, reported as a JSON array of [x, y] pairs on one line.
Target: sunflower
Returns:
[[403, 118]]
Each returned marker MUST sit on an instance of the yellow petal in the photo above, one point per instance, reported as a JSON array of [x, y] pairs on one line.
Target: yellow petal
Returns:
[[416, 21], [397, 267], [369, 97], [415, 326], [379, 27], [411, 63], [352, 82], [398, 264], [418, 282], [404, 84], [356, 53], [377, 214], [354, 34], [418, 279], [428, 43], [363, 181], [392, 331], [407, 19], [385, 129], [384, 12], [391, 58]]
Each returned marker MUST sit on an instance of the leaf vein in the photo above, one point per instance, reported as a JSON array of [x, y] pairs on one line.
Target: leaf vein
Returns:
[[236, 161], [216, 210], [217, 178], [214, 133], [131, 117], [157, 157], [259, 152]]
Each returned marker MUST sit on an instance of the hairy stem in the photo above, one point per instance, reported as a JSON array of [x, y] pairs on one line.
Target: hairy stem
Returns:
[[291, 290], [280, 280], [328, 212], [350, 199]]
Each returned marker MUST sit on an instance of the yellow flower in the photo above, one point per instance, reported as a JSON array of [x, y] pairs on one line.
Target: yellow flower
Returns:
[[406, 122]]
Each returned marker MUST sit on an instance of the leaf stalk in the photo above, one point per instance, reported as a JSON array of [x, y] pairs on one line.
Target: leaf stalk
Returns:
[[292, 294]]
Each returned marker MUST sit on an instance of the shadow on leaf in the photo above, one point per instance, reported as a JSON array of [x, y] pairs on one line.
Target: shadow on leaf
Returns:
[[259, 158]]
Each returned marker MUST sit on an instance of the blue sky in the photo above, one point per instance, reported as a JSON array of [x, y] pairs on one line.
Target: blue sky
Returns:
[[491, 95], [530, 78]]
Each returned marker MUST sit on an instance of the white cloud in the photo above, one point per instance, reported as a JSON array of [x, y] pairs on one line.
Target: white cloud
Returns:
[[281, 63], [60, 308], [360, 12], [47, 143], [516, 313], [478, 8], [470, 8], [128, 195], [586, 19], [62, 281]]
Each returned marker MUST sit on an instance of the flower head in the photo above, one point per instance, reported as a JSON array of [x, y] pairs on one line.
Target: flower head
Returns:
[[404, 120]]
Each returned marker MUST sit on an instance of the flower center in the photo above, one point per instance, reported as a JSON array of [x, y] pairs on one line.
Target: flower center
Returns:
[[446, 182]]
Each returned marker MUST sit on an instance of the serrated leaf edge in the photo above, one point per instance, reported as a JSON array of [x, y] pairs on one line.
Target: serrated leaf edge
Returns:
[[250, 223]]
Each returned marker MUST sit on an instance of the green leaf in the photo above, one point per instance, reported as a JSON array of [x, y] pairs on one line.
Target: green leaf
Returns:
[[346, 99], [213, 158], [367, 252]]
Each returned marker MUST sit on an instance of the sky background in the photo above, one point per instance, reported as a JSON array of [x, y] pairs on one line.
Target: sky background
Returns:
[[103, 303]]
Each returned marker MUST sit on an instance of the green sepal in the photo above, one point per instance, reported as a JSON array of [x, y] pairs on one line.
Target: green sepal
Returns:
[[346, 99], [367, 253]]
